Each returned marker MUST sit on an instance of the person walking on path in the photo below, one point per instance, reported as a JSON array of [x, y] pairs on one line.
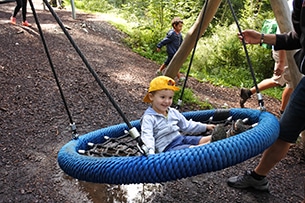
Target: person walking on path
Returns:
[[172, 41], [20, 4], [292, 122]]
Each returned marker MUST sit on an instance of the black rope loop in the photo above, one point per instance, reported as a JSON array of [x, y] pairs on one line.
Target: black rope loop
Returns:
[[132, 131], [259, 96], [72, 124]]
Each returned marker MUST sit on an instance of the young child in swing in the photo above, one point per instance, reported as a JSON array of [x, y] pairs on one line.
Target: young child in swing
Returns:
[[172, 41], [164, 128]]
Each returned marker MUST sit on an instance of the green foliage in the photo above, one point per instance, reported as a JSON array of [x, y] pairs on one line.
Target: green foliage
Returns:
[[222, 60], [93, 5], [189, 98], [220, 57]]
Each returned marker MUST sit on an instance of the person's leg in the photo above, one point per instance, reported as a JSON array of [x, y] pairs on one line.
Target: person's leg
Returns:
[[24, 5], [292, 123], [165, 64], [264, 84], [205, 140], [245, 94], [272, 156], [178, 76], [24, 11], [160, 70], [17, 8], [285, 98], [15, 12]]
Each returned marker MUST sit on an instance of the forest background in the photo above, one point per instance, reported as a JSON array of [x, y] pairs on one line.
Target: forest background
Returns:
[[219, 56]]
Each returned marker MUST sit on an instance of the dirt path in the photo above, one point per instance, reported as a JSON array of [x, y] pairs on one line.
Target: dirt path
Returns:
[[34, 123]]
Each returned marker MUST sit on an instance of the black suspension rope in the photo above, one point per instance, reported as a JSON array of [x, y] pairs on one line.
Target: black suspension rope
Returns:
[[87, 64], [193, 53], [72, 124], [133, 131], [259, 96]]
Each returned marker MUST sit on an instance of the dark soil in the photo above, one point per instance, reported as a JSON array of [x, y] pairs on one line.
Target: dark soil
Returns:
[[35, 124]]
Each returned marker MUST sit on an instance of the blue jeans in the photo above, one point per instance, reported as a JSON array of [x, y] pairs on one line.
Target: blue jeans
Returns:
[[182, 142], [292, 121]]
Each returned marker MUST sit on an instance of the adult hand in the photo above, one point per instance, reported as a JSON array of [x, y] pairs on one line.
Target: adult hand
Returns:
[[250, 36]]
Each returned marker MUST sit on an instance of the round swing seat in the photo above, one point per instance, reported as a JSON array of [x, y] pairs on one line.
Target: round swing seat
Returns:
[[173, 165]]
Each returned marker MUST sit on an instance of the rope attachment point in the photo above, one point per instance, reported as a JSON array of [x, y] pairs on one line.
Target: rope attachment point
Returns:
[[74, 133], [134, 133]]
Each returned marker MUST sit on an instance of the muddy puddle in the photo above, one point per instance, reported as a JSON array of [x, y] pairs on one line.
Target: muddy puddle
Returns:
[[133, 193], [107, 193]]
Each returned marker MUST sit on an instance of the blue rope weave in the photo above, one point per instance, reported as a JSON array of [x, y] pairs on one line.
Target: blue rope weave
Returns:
[[171, 165]]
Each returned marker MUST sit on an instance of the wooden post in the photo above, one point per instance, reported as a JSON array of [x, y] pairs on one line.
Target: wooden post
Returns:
[[190, 39], [73, 9]]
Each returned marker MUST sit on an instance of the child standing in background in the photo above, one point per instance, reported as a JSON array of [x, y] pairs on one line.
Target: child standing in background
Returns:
[[173, 40], [20, 4]]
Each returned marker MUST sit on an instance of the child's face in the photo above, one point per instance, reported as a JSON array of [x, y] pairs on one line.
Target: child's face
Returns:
[[178, 27], [162, 100]]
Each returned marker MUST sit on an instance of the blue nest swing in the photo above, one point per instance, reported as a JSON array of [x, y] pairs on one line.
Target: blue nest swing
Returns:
[[160, 167], [171, 165]]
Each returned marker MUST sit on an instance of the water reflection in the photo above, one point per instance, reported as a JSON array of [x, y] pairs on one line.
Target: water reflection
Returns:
[[133, 193]]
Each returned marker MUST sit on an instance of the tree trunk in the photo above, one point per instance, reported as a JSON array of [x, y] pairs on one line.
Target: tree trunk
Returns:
[[190, 38]]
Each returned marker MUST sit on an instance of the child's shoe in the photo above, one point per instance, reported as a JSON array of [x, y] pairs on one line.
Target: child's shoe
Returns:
[[245, 94], [159, 72], [13, 20], [26, 23]]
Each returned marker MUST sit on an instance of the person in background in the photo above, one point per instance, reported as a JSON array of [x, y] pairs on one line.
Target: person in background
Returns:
[[164, 128], [292, 122], [172, 41], [20, 4], [281, 76]]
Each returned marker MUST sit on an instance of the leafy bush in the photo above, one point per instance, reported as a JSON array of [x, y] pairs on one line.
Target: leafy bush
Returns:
[[222, 60], [189, 98], [220, 57]]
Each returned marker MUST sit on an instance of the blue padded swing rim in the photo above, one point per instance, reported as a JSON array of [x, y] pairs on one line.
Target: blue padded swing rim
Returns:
[[171, 165]]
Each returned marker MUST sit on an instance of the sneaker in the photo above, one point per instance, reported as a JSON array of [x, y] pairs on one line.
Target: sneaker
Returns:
[[247, 181], [218, 133], [13, 20], [159, 72], [26, 23], [181, 79], [245, 94]]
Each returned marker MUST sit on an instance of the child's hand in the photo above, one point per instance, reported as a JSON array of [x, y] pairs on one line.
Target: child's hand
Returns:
[[158, 49], [210, 126]]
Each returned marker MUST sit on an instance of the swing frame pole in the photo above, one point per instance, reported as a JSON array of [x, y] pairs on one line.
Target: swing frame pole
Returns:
[[193, 53]]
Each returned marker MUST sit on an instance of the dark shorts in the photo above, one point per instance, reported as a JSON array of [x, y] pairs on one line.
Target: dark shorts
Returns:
[[292, 121], [182, 142], [169, 58]]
